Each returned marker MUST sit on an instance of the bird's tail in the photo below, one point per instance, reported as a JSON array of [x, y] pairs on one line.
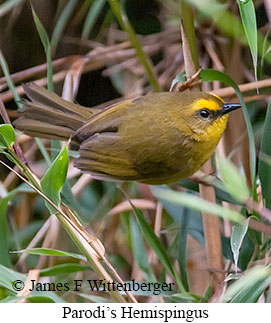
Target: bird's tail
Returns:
[[49, 116]]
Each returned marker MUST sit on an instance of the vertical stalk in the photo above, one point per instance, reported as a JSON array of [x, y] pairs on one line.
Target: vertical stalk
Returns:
[[189, 35], [212, 233], [210, 222], [143, 58]]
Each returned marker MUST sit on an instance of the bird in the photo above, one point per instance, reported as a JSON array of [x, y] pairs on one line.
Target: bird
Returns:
[[156, 139]]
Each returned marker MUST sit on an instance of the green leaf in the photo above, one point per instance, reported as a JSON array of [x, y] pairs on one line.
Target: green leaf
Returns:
[[6, 72], [61, 23], [248, 15], [195, 228], [155, 244], [182, 245], [179, 78], [94, 299], [62, 269], [9, 5], [54, 179], [195, 203], [9, 156], [55, 149], [68, 198], [5, 68], [266, 50], [234, 182], [226, 248], [40, 299], [228, 22], [92, 17], [24, 234], [265, 157], [189, 223], [210, 75], [187, 298], [7, 136], [50, 252], [43, 151], [4, 235], [239, 231], [208, 293], [249, 287], [7, 276], [153, 241], [246, 253], [47, 48], [10, 299], [139, 250], [119, 13], [45, 297]]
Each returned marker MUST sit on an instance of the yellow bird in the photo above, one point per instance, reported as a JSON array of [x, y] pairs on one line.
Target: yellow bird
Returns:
[[155, 139]]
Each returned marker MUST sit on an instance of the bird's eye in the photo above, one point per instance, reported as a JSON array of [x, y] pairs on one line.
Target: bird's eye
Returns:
[[204, 113]]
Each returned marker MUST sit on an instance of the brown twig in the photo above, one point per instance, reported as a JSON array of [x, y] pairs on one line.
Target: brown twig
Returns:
[[58, 64], [229, 91], [141, 204], [191, 82], [33, 275]]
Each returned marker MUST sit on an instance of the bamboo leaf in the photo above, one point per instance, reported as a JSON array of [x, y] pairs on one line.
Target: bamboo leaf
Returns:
[[248, 288], [210, 75], [179, 78], [92, 16], [228, 23], [47, 48], [239, 231], [40, 299], [4, 232], [7, 136], [126, 26], [62, 269], [54, 179], [234, 182], [264, 157], [139, 250], [156, 245], [248, 15], [5, 69], [195, 203], [182, 245], [50, 252], [8, 6], [153, 241], [61, 24], [7, 276]]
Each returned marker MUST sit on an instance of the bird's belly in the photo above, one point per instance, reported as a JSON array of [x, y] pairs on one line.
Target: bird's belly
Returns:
[[178, 162]]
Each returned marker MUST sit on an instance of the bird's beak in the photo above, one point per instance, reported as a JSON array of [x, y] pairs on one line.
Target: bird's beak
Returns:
[[228, 107]]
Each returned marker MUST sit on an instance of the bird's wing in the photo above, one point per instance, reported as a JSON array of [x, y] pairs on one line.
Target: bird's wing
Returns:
[[103, 156], [107, 120], [102, 150]]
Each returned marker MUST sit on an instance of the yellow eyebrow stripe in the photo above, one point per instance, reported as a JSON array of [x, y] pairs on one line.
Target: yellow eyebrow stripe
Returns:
[[205, 103], [218, 97]]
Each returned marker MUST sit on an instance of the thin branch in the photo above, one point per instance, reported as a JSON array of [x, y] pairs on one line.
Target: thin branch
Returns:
[[81, 231]]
